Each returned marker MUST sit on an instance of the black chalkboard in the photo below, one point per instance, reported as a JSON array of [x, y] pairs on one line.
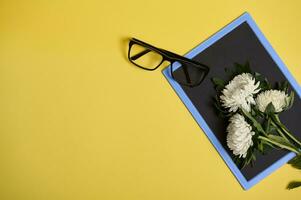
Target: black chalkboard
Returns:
[[240, 45]]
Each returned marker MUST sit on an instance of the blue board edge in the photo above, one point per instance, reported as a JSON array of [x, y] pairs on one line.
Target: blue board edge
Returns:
[[246, 17]]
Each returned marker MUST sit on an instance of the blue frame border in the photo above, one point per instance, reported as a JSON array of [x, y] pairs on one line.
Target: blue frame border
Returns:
[[246, 17]]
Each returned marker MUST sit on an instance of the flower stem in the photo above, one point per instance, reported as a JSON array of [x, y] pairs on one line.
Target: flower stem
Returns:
[[291, 136], [278, 144], [285, 130], [279, 131]]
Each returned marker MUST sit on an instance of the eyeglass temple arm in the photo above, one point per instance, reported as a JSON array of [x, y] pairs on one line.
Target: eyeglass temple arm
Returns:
[[142, 53], [184, 58], [186, 74]]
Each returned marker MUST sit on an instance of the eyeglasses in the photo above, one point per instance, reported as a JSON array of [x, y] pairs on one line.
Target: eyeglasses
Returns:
[[190, 73]]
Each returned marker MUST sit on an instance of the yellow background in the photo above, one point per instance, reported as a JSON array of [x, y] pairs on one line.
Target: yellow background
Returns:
[[80, 122]]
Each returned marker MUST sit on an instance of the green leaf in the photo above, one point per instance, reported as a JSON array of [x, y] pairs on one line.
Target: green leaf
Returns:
[[219, 84], [282, 141], [218, 106], [296, 162], [218, 81], [270, 109], [237, 69], [248, 159], [253, 157], [260, 147], [264, 83], [245, 68], [283, 86], [229, 72], [267, 125], [219, 109], [273, 129], [269, 144], [293, 184], [256, 124]]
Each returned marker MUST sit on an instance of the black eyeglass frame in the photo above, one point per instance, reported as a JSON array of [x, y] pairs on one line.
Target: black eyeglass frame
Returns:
[[167, 56]]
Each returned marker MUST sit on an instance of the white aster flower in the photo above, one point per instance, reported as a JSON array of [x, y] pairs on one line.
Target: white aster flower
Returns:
[[277, 97], [239, 138], [239, 92]]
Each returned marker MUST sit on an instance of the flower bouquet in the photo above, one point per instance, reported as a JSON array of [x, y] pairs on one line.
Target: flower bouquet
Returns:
[[251, 106]]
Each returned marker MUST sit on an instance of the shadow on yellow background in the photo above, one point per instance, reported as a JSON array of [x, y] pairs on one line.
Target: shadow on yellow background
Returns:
[[78, 121], [124, 41]]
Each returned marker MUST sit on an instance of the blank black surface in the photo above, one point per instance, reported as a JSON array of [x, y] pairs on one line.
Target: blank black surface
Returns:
[[240, 45]]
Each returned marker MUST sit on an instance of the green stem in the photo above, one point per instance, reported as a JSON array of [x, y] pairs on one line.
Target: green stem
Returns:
[[279, 131], [285, 130], [278, 144], [291, 136]]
